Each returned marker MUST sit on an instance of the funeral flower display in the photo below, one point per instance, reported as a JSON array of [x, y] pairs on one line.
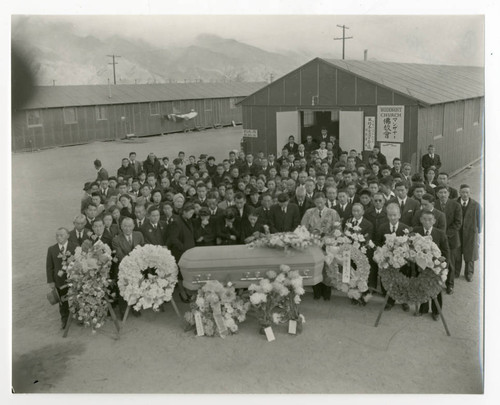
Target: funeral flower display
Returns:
[[431, 267], [349, 246], [147, 277], [88, 284], [276, 298], [215, 303], [300, 238]]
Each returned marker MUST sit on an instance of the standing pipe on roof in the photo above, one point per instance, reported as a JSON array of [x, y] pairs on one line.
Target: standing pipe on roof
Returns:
[[109, 89]]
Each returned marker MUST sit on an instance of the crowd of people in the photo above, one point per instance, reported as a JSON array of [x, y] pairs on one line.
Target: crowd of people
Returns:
[[196, 201]]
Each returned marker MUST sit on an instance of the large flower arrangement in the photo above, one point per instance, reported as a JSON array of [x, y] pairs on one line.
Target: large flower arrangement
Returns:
[[300, 238], [147, 277], [214, 299], [276, 298], [88, 284], [399, 251], [356, 244]]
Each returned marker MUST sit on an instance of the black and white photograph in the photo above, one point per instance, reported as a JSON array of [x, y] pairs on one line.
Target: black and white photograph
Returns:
[[248, 201]]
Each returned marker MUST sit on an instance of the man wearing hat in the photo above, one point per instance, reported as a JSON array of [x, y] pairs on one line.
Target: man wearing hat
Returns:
[[284, 216]]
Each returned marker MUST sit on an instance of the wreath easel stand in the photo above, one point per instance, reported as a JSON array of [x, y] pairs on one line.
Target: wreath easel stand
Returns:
[[111, 313], [172, 301], [434, 299]]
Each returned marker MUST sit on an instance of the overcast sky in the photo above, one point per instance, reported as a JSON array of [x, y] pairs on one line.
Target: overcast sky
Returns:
[[420, 39]]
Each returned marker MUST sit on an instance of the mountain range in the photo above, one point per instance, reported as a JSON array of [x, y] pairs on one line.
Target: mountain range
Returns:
[[57, 54]]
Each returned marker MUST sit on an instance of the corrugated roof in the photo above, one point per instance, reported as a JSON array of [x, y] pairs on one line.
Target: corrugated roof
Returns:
[[430, 84], [72, 96]]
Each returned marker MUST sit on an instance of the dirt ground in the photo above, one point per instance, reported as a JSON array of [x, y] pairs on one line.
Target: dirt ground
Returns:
[[339, 351]]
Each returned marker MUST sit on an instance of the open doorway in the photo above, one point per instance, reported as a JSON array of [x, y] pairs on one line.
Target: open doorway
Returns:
[[312, 121]]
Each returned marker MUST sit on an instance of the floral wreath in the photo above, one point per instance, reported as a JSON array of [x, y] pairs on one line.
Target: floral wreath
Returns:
[[147, 277], [397, 252], [88, 284], [359, 272], [215, 300]]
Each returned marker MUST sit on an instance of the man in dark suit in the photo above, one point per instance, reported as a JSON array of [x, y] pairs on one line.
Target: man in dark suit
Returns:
[[91, 213], [358, 220], [442, 180], [285, 216], [453, 213], [241, 211], [376, 215], [344, 208], [154, 230], [99, 234], [303, 202], [264, 211], [393, 226], [310, 145], [428, 201], [80, 233], [323, 137], [127, 240], [408, 206], [125, 170], [439, 238], [102, 173], [134, 163], [291, 146], [253, 228], [56, 276], [212, 205], [151, 165], [140, 216], [469, 233], [431, 159]]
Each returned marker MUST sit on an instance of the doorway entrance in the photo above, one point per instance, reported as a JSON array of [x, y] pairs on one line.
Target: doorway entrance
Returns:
[[313, 120]]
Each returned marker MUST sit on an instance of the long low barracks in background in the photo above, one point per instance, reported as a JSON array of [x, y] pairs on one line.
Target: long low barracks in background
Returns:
[[69, 115], [439, 104]]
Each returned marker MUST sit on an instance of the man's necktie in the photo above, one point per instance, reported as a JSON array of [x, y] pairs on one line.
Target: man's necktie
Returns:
[[393, 229], [354, 223], [427, 232]]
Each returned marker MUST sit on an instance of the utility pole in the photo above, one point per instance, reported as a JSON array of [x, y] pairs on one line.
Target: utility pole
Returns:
[[343, 38], [114, 63], [271, 76]]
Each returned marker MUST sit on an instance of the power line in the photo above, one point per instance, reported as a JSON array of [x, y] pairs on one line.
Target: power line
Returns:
[[114, 63], [343, 38]]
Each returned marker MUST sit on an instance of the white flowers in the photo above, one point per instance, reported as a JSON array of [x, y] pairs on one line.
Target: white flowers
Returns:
[[157, 286]]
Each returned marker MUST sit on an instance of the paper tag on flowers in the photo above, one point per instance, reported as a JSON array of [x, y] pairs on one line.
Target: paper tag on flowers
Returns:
[[200, 331], [269, 334], [346, 266], [219, 320], [292, 327]]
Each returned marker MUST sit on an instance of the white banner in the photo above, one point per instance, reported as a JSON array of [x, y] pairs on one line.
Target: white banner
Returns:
[[390, 125], [369, 133], [346, 266]]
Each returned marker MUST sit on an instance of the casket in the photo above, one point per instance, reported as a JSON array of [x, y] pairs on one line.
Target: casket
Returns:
[[243, 266]]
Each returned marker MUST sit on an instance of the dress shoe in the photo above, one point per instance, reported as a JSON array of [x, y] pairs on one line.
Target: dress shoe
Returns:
[[317, 297], [468, 277], [388, 307], [64, 322], [327, 298], [418, 314], [406, 307], [449, 290], [435, 317], [137, 314]]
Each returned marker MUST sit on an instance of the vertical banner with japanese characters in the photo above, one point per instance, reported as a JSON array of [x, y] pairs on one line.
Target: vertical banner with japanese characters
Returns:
[[369, 133], [390, 125]]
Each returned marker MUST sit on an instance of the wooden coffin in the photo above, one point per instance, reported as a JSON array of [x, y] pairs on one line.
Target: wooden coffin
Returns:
[[243, 266]]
